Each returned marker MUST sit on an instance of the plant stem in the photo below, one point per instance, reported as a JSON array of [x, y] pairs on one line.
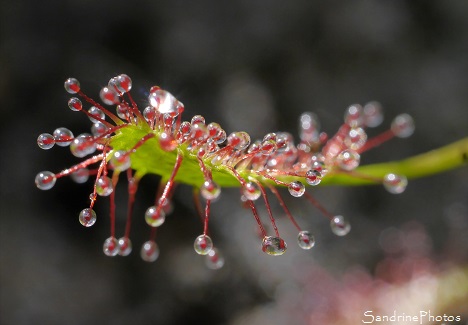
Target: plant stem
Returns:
[[436, 161]]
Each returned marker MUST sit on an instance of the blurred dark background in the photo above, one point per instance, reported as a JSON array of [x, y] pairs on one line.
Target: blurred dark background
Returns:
[[249, 65]]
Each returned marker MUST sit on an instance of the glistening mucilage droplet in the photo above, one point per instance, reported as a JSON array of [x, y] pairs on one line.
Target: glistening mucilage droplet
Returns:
[[45, 180], [203, 244], [305, 240], [340, 226], [87, 217], [104, 186], [296, 189], [210, 190], [72, 86], [111, 246], [45, 141], [394, 183], [149, 251], [274, 246], [155, 216], [125, 246], [63, 136], [251, 191]]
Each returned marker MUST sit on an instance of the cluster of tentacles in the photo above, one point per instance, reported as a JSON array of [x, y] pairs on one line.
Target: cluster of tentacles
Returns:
[[157, 141]]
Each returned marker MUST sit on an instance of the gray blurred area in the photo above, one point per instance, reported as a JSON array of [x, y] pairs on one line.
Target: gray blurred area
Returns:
[[248, 65]]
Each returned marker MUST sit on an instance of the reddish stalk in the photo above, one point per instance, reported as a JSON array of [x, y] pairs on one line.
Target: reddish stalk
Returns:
[[207, 217], [101, 171], [268, 176], [377, 140], [197, 203], [206, 171], [285, 208], [83, 164], [135, 109], [91, 101], [267, 204], [316, 204], [169, 183], [132, 189], [115, 179], [140, 143], [257, 218]]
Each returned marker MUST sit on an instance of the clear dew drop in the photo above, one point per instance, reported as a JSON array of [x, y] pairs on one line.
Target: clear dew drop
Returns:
[[63, 137], [274, 246], [211, 146], [354, 116], [403, 126], [164, 102], [313, 177], [267, 147], [199, 132], [168, 121], [149, 251], [122, 111], [45, 180], [75, 104], [197, 119], [203, 245], [87, 217], [309, 127], [283, 140], [210, 190], [125, 246], [120, 161], [154, 89], [167, 141], [99, 129], [180, 107], [109, 96], [104, 186], [356, 138], [149, 113], [214, 259], [82, 145], [270, 136], [111, 246], [320, 167], [155, 217], [340, 226], [72, 86], [216, 133], [254, 147], [221, 137], [251, 191], [167, 206], [201, 152], [239, 140], [95, 113], [290, 153], [296, 189], [45, 141], [112, 83], [305, 240], [348, 159], [80, 176], [184, 131], [373, 114], [394, 183], [123, 83]]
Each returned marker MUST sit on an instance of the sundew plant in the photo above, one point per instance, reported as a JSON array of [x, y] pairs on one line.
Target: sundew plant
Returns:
[[201, 154]]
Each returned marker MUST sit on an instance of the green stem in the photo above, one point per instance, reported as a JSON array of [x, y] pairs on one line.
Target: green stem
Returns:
[[150, 158], [435, 161]]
